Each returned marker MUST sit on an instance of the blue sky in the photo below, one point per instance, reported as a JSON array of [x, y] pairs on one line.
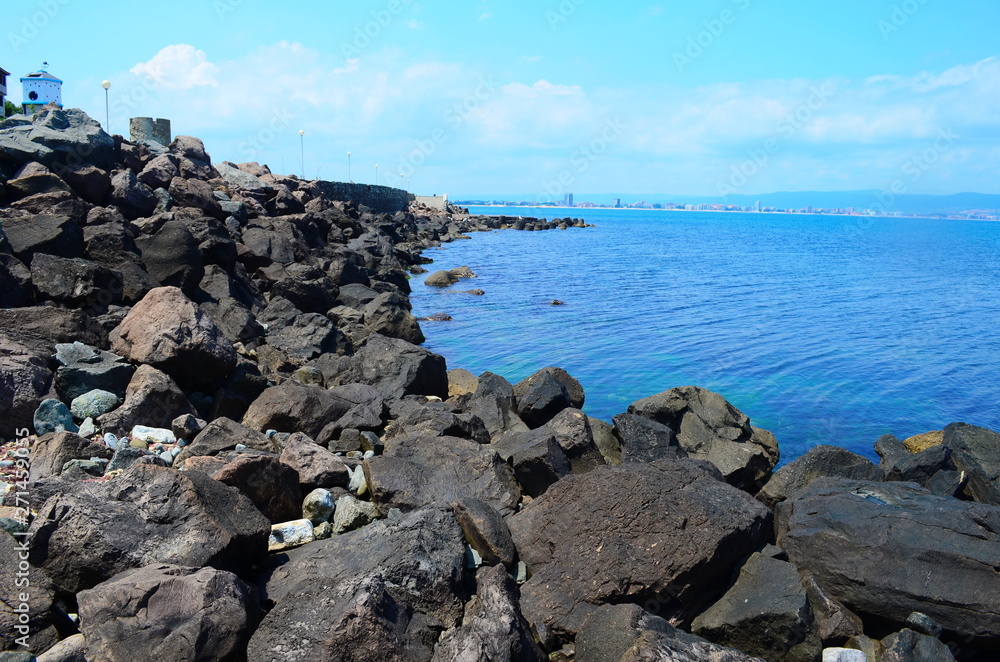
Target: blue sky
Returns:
[[545, 97]]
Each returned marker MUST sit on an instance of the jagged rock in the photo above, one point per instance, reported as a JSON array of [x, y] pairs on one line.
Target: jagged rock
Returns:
[[159, 172], [835, 623], [389, 314], [419, 470], [52, 451], [75, 282], [441, 279], [351, 514], [70, 649], [57, 137], [932, 468], [272, 486], [407, 571], [152, 399], [57, 325], [222, 435], [818, 461], [463, 382], [571, 430], [644, 440], [493, 402], [356, 295], [830, 530], [132, 197], [167, 612], [316, 295], [976, 451], [172, 257], [316, 466], [89, 182], [607, 443], [493, 627], [606, 536], [149, 514], [397, 368], [572, 386], [538, 464], [545, 398], [25, 378], [766, 613], [434, 419], [304, 335], [30, 182], [485, 530], [168, 331], [709, 428], [627, 633], [53, 235]]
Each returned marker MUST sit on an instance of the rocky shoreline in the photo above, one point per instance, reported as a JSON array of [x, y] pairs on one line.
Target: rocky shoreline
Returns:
[[226, 443]]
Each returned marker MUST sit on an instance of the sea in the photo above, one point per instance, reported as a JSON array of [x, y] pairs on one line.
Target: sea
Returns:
[[822, 329]]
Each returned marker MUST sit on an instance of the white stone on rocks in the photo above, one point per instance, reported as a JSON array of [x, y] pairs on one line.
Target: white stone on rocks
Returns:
[[153, 435], [290, 534], [358, 484], [843, 655], [318, 506], [87, 428], [94, 403], [353, 514], [110, 440]]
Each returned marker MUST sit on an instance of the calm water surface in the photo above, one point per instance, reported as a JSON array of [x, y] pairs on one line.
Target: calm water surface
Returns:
[[825, 330]]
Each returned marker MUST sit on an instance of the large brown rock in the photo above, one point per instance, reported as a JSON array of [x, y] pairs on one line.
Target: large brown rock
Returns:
[[58, 325], [272, 486], [36, 622], [397, 368], [292, 407], [886, 550], [50, 452], [167, 612], [147, 515], [222, 435], [171, 256], [151, 399], [168, 331], [819, 461], [709, 428], [315, 465], [54, 235], [664, 534], [25, 378]]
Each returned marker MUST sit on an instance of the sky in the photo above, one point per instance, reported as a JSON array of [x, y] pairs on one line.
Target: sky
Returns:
[[541, 98]]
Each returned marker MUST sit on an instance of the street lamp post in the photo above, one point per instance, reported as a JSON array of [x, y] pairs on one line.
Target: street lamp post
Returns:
[[302, 141], [349, 168], [107, 106], [376, 174]]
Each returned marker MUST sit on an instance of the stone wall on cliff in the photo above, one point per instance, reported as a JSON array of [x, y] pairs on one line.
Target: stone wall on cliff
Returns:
[[380, 199]]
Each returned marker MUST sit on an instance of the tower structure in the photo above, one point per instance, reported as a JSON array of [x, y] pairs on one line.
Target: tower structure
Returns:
[[40, 89]]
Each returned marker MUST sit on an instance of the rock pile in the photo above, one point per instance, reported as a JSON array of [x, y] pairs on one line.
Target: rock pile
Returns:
[[227, 444]]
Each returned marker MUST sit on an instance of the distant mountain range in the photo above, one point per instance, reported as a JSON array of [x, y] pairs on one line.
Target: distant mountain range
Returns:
[[881, 201]]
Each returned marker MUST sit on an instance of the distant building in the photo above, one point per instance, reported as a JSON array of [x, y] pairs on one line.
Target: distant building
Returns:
[[756, 207], [618, 203], [3, 85], [40, 89], [568, 200]]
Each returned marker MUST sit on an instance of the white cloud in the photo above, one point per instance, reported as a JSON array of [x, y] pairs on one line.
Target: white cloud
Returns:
[[179, 67], [485, 16]]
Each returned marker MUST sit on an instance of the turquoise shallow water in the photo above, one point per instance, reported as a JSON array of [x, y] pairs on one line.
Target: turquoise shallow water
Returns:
[[824, 330]]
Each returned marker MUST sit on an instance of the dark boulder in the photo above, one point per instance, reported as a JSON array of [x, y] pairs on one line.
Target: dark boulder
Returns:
[[910, 646], [147, 515], [545, 398], [168, 612], [89, 182], [16, 289], [159, 172], [397, 368], [492, 401], [434, 419], [485, 530], [54, 235], [886, 550], [493, 627], [315, 295], [56, 325], [665, 534], [573, 387], [419, 470], [571, 430], [50, 452], [30, 615], [766, 613], [304, 336], [389, 314], [292, 407], [976, 451], [25, 378], [75, 282], [538, 464], [271, 485], [315, 465], [195, 194], [440, 279], [709, 428], [223, 435], [57, 137], [172, 256], [818, 461], [133, 198], [644, 440]]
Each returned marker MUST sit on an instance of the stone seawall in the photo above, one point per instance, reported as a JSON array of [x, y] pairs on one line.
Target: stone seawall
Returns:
[[380, 199]]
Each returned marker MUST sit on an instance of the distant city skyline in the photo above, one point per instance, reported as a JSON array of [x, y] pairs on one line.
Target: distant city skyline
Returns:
[[734, 97]]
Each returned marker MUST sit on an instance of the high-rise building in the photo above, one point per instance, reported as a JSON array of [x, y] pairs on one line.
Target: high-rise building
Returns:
[[3, 87], [756, 207], [618, 203], [568, 200]]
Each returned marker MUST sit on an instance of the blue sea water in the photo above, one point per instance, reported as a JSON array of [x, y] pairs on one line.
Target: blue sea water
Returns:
[[822, 329]]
